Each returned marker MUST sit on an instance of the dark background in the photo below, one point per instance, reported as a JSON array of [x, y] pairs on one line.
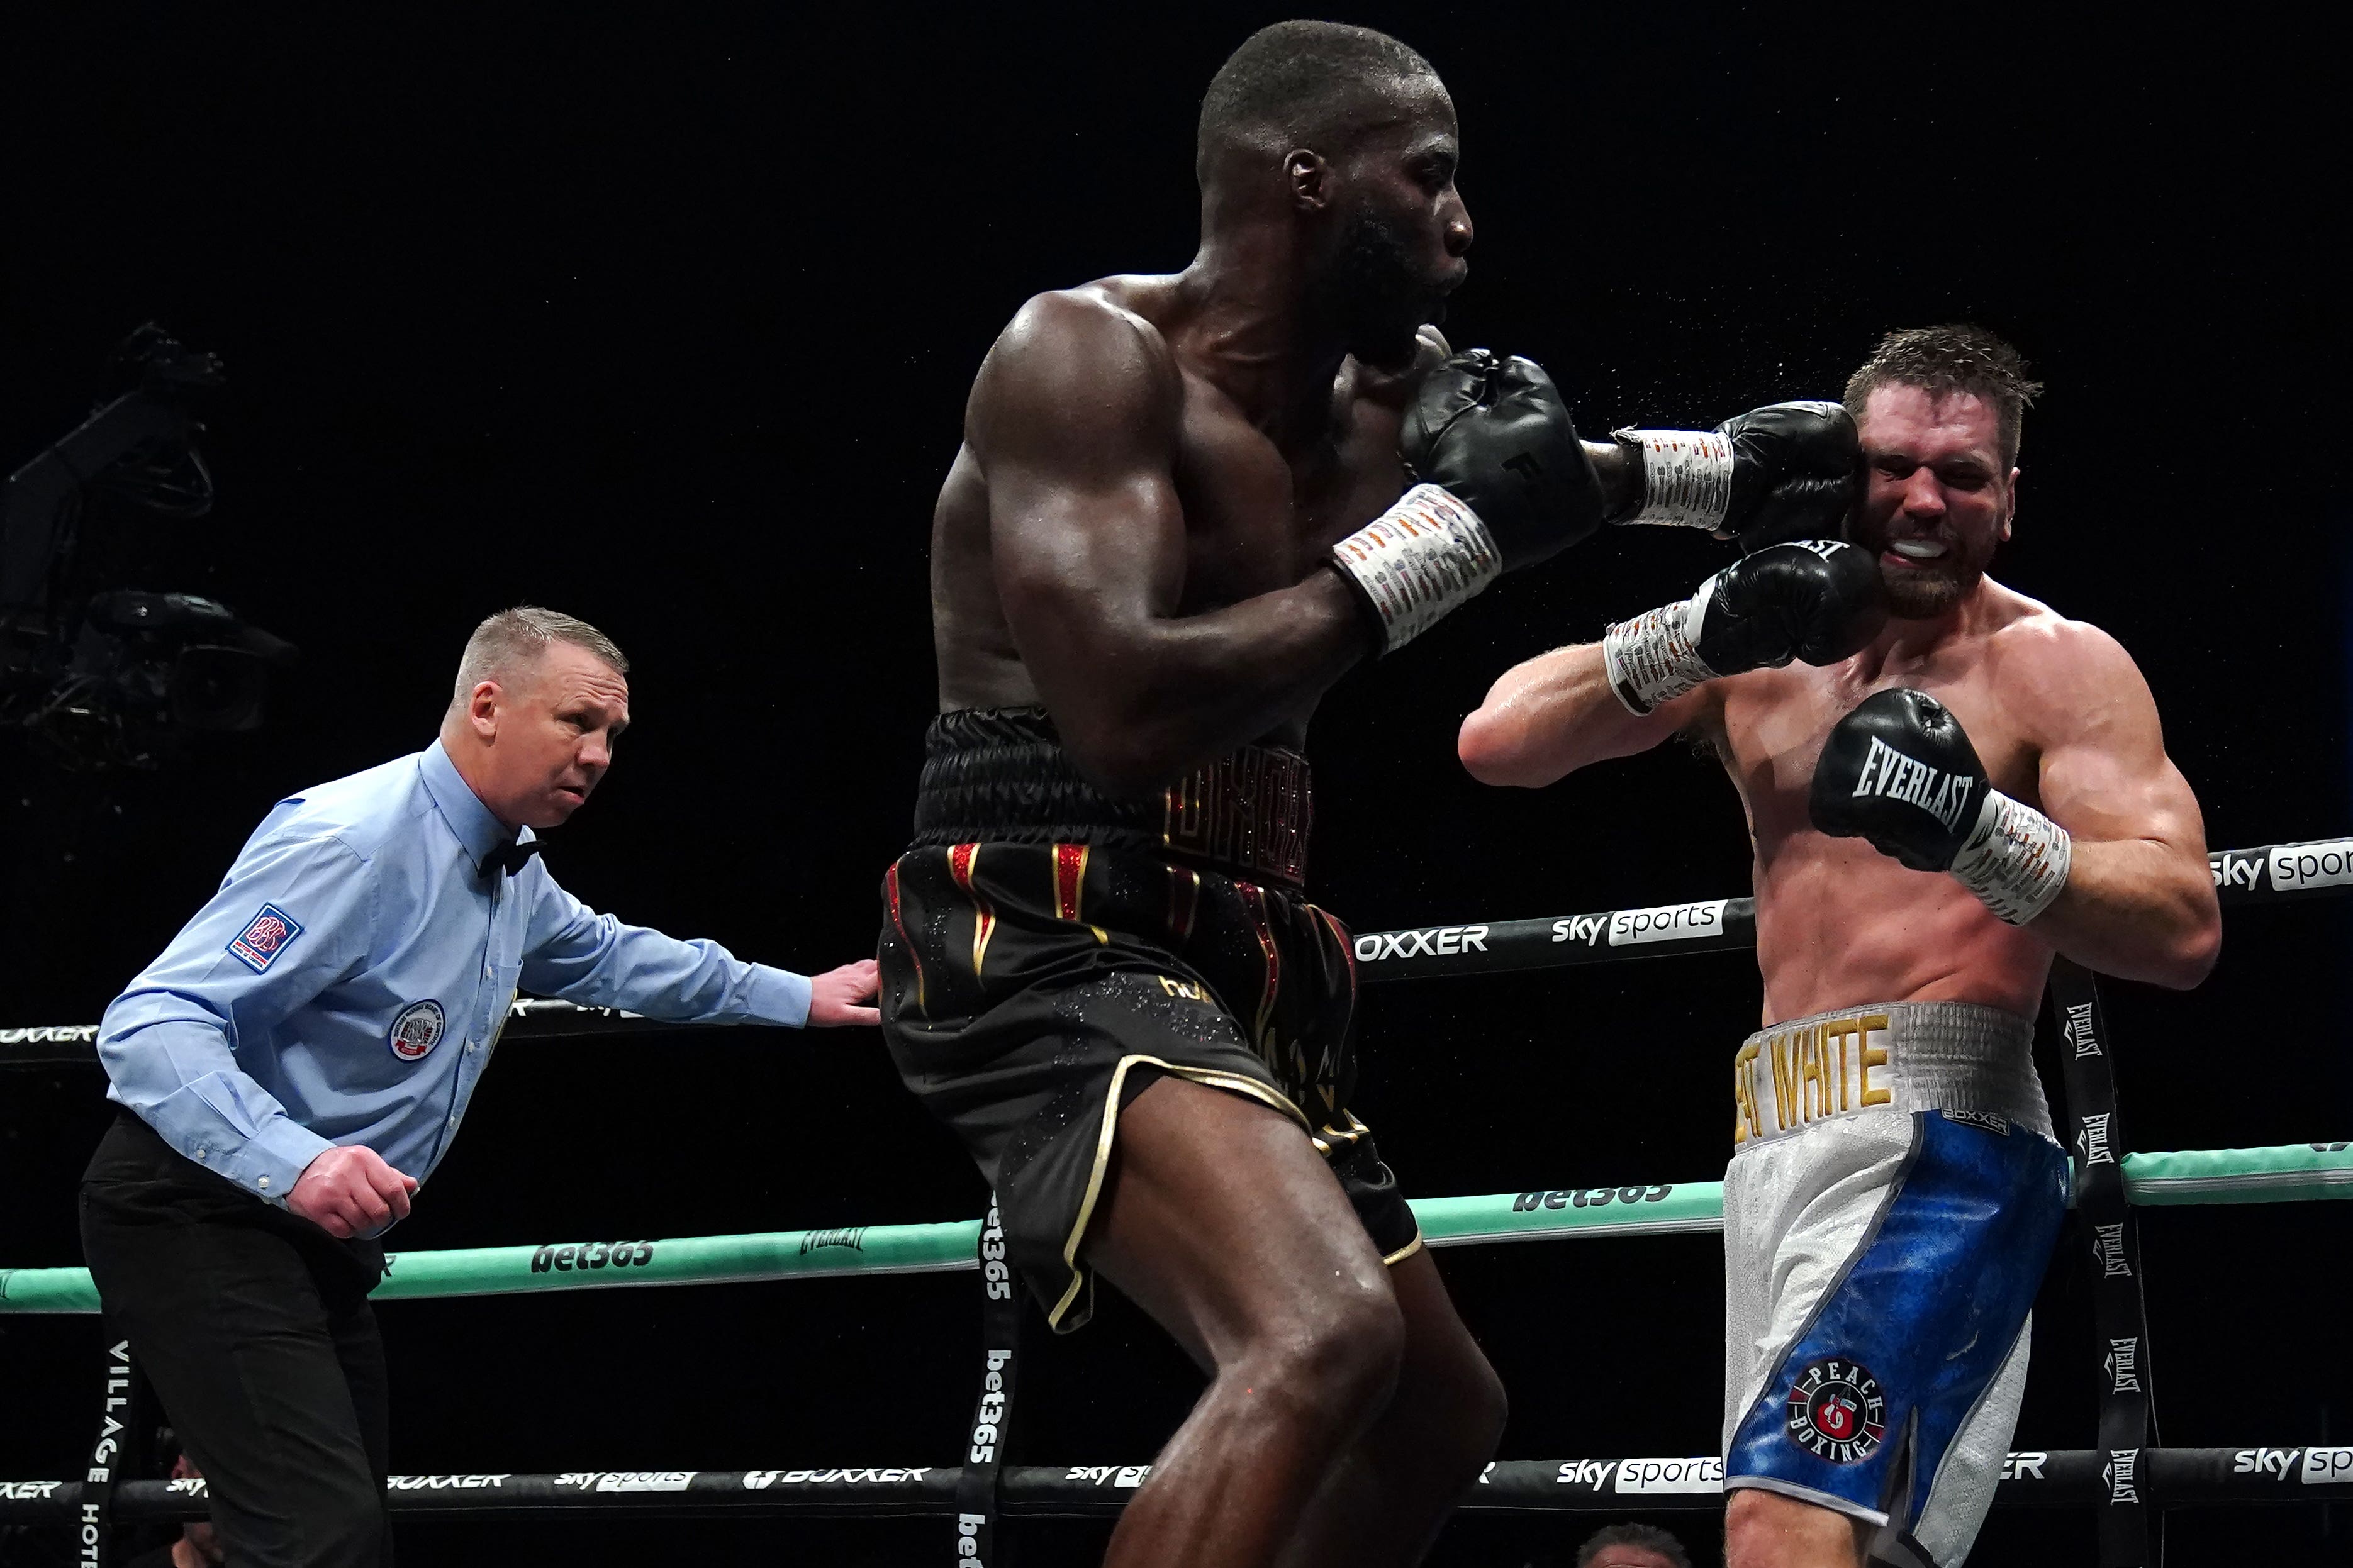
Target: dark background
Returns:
[[667, 322]]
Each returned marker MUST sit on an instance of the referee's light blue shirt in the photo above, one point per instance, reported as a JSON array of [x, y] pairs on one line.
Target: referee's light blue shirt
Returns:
[[348, 982]]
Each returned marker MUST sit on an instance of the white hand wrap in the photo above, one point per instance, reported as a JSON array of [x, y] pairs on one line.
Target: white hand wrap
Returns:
[[1652, 659], [1423, 557], [1686, 477], [2016, 859]]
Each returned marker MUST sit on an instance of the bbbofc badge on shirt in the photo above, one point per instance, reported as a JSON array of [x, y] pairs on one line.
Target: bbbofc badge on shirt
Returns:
[[416, 1031], [265, 936]]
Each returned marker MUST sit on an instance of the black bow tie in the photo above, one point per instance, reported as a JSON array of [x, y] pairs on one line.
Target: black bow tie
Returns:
[[509, 857]]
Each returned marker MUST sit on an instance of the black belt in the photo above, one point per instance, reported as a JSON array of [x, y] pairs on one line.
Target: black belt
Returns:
[[1001, 775]]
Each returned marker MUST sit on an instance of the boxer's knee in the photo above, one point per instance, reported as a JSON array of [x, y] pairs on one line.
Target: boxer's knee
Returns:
[[1333, 1360], [1765, 1530]]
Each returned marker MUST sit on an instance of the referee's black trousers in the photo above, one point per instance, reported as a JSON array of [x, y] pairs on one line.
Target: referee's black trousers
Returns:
[[254, 1327]]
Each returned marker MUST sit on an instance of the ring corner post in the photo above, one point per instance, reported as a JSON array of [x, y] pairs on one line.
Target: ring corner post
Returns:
[[2132, 1532]]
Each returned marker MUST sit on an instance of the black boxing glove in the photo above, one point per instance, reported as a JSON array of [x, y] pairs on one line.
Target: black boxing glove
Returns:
[[1504, 483], [1900, 771], [1789, 470], [1820, 601]]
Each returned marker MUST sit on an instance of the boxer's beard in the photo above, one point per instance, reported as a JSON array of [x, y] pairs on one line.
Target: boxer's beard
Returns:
[[1374, 295], [1925, 591]]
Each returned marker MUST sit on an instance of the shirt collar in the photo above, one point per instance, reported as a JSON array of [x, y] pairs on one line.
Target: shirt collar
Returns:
[[478, 831]]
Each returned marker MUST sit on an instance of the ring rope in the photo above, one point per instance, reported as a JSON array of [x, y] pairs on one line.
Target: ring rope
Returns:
[[2290, 1473], [2293, 1173], [2271, 873]]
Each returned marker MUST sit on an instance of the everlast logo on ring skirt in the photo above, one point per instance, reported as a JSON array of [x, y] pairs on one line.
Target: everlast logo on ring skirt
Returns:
[[2108, 1250], [2121, 1463], [587, 1255], [2076, 1029], [2124, 1364], [2094, 1140]]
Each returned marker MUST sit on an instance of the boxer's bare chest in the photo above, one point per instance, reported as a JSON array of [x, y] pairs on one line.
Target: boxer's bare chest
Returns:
[[1775, 721], [1838, 923], [1261, 512]]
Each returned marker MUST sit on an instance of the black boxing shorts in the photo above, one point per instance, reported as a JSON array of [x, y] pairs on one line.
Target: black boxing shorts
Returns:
[[1048, 952]]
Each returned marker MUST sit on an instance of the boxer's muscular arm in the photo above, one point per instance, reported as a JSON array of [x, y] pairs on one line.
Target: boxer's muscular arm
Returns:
[[2139, 901], [1075, 417], [1545, 718]]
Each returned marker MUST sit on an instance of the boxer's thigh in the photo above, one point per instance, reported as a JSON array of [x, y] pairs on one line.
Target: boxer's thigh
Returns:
[[1220, 1219], [228, 1322], [1796, 1211]]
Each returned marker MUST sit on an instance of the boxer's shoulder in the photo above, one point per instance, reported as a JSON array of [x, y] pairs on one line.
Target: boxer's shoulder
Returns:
[[2033, 651], [1079, 361]]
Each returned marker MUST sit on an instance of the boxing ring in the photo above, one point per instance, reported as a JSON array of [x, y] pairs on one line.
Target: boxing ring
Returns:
[[2128, 1478]]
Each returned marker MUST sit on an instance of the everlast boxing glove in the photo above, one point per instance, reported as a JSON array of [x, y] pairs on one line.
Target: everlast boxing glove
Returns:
[[1900, 771], [1789, 470], [1505, 483], [1818, 601]]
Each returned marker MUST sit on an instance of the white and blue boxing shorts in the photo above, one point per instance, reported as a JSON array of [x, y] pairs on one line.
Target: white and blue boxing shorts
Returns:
[[1894, 1195]]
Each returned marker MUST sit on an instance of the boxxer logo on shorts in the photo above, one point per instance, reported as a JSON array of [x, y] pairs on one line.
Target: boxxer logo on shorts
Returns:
[[1837, 1411], [416, 1031]]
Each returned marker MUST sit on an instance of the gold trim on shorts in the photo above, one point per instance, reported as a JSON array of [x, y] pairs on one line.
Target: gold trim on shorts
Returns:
[[1233, 1082], [1402, 1253]]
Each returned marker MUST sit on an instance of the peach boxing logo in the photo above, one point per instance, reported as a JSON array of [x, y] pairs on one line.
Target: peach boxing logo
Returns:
[[265, 936], [416, 1031], [1837, 1411]]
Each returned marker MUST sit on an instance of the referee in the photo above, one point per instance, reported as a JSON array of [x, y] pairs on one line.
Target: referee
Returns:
[[296, 1062]]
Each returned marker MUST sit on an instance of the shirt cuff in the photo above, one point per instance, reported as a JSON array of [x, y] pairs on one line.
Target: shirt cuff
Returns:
[[272, 1160], [777, 996]]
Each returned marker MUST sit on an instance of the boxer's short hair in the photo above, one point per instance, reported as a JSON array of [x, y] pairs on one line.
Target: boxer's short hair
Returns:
[[1648, 1537], [1954, 358], [515, 639], [1298, 79]]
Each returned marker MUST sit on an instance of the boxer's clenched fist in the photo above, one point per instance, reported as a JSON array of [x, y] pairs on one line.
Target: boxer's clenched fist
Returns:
[[1818, 601], [1900, 771], [1796, 469], [1504, 483], [1784, 471], [1497, 436], [350, 1190]]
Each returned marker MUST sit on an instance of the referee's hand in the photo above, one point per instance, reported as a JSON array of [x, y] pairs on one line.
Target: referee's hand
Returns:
[[834, 996], [349, 1191]]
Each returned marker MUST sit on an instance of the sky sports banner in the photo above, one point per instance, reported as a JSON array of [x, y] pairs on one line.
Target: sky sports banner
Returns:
[[2174, 1476], [2262, 875], [2269, 873], [1496, 947]]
